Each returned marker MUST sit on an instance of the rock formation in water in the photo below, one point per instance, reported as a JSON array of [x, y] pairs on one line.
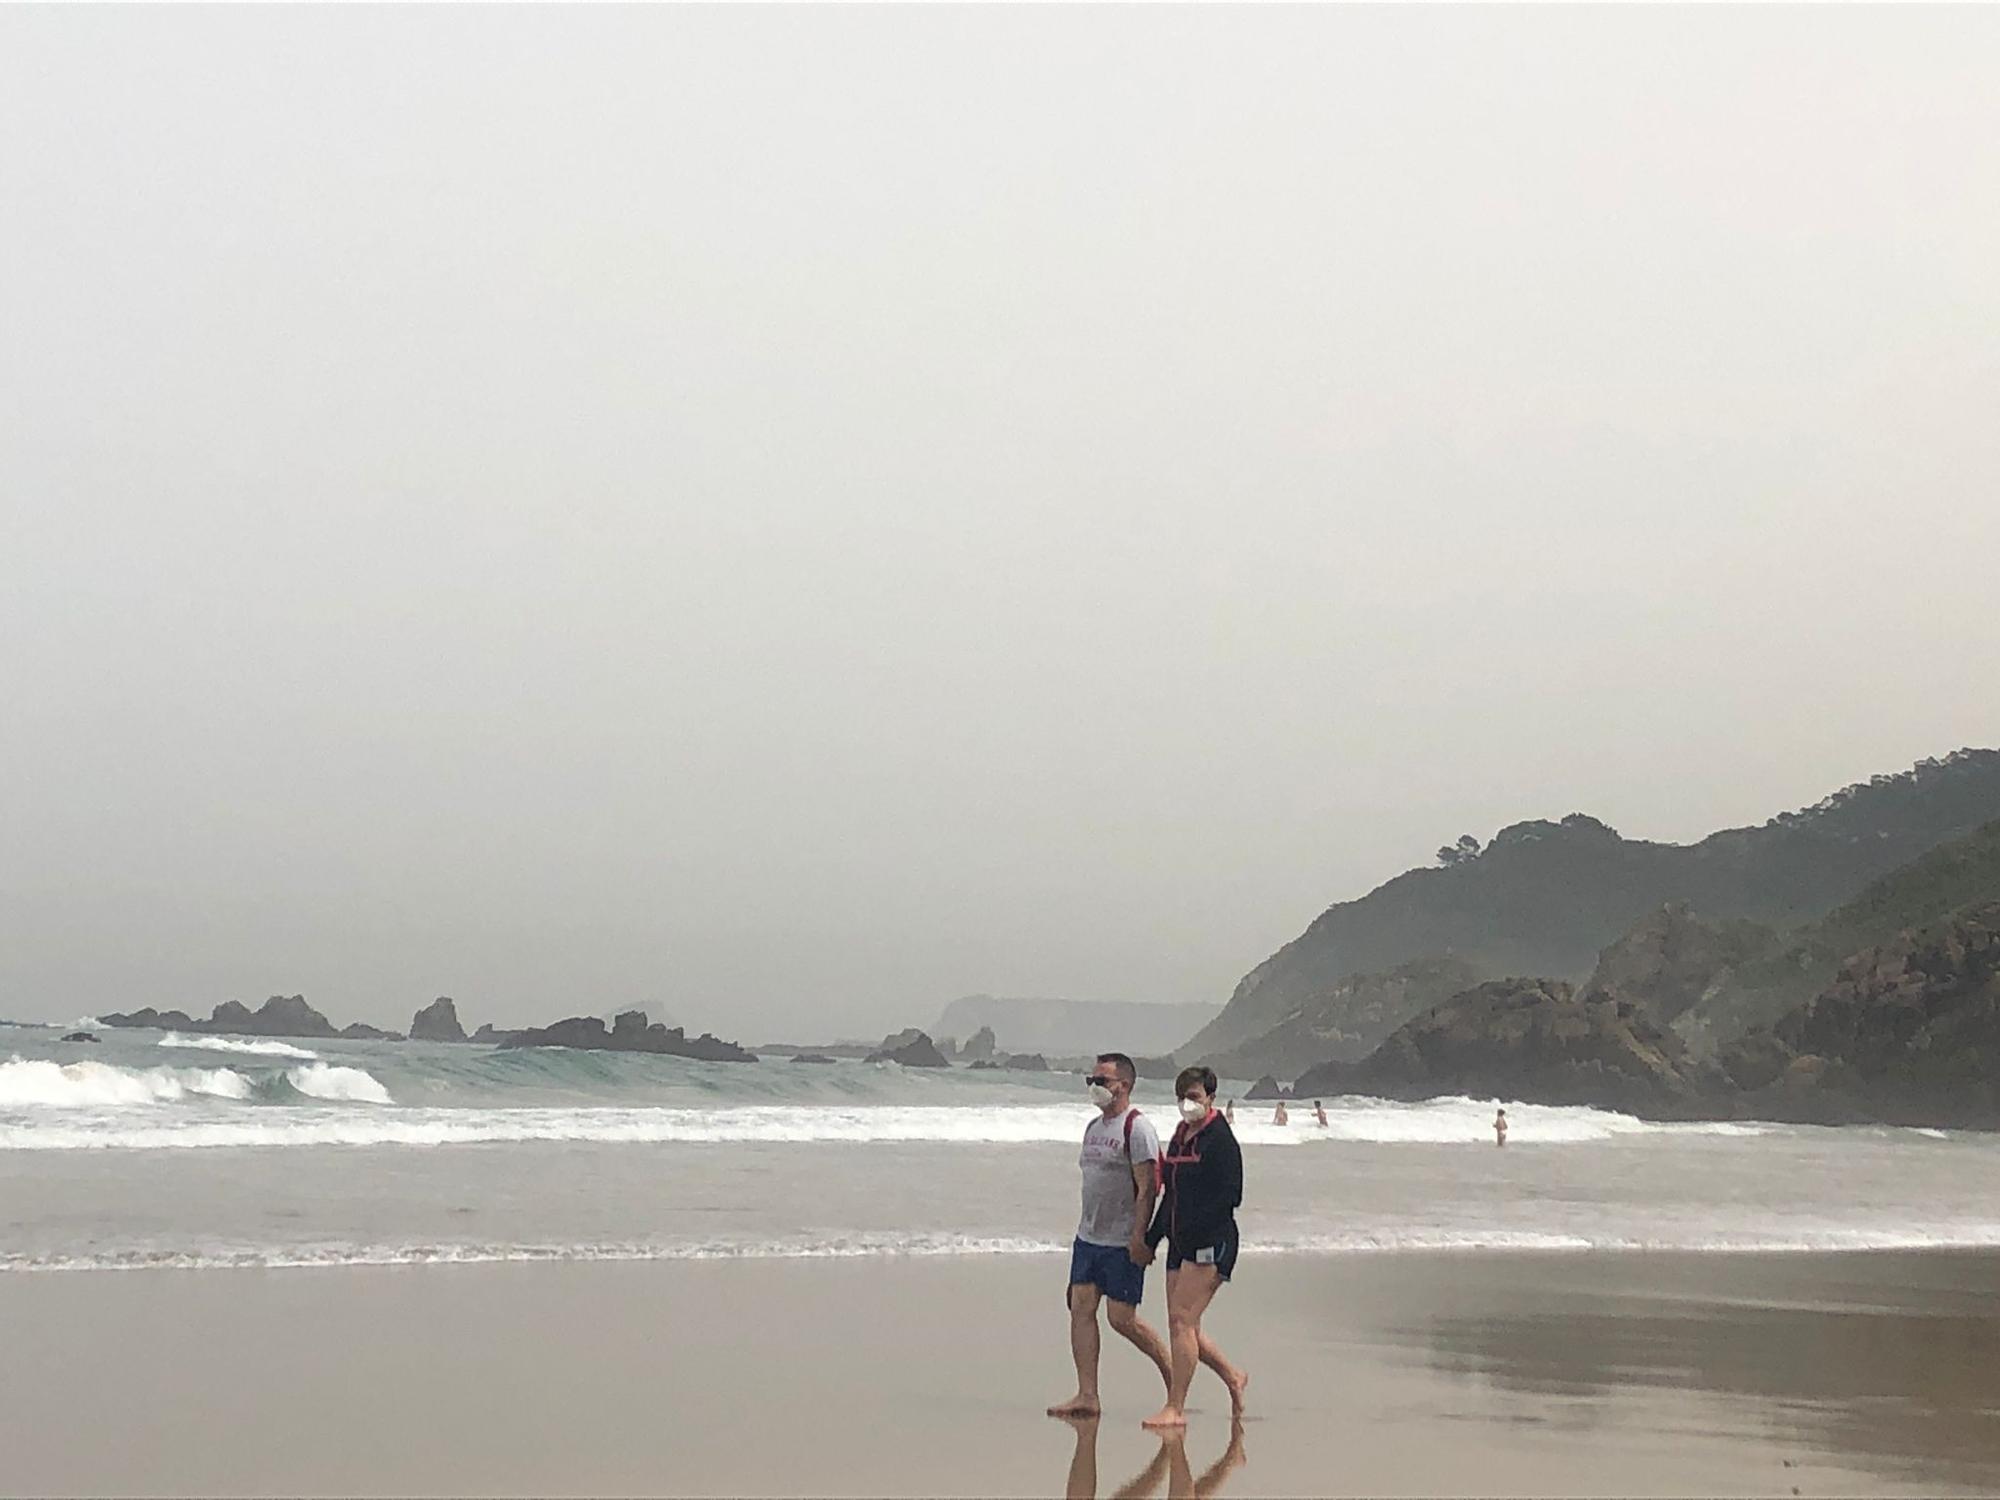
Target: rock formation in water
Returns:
[[281, 1015], [437, 1022], [1026, 1062], [489, 1033], [629, 1032], [361, 1031], [911, 1048], [79, 1036], [1069, 1028], [812, 1057], [981, 1047], [1536, 1039]]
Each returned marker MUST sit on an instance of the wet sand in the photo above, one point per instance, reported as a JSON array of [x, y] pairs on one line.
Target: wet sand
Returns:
[[1613, 1374]]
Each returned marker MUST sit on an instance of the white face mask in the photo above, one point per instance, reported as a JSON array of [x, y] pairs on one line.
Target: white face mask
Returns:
[[1101, 1096], [1193, 1111]]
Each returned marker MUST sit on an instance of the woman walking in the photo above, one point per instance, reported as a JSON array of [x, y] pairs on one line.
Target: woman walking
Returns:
[[1203, 1172]]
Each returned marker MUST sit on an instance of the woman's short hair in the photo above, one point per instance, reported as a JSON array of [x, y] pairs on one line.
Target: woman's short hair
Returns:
[[1187, 1078]]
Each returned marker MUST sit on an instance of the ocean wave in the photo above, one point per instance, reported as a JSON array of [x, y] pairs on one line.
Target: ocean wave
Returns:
[[784, 1124], [895, 1245], [260, 1048], [320, 1080], [85, 1085]]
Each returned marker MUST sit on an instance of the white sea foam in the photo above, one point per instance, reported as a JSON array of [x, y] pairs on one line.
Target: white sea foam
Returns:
[[782, 1124], [1805, 1239], [324, 1081], [258, 1047], [85, 1085]]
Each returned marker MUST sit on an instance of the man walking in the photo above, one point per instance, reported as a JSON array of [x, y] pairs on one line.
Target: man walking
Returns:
[[1121, 1151]]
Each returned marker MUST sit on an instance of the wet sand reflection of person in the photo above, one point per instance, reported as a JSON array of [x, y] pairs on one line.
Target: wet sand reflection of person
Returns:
[[1171, 1463]]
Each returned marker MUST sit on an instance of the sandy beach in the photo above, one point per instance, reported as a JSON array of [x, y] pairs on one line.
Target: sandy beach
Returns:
[[1382, 1374]]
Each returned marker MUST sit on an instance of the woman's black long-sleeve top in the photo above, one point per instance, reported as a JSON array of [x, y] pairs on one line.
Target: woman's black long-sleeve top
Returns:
[[1202, 1172]]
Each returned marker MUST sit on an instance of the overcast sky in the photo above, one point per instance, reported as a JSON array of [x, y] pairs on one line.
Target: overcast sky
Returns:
[[795, 516]]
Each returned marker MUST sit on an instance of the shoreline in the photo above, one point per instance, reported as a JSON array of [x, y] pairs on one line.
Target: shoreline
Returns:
[[1520, 1372]]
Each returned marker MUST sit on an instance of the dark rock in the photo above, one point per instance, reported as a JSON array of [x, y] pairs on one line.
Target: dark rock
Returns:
[[79, 1036], [1026, 1062], [1268, 1087], [589, 1033], [1348, 1020], [437, 1022], [153, 1020], [1908, 1033], [985, 1065], [488, 1032], [911, 1048], [1671, 960], [361, 1031], [1530, 1039], [281, 1015], [1156, 1067], [979, 1047], [812, 1057]]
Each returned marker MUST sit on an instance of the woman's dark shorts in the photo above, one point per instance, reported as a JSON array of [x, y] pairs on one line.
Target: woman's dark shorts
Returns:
[[1221, 1255]]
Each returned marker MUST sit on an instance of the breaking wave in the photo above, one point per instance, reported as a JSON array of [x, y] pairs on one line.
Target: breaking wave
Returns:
[[86, 1085], [258, 1047], [320, 1080]]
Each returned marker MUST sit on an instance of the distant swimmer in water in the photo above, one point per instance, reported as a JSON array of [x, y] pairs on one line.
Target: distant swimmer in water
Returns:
[[1278, 1115], [1319, 1113], [1500, 1128], [1229, 1112]]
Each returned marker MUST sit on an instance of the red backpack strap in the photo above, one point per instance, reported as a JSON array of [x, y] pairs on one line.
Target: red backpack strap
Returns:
[[1130, 1116]]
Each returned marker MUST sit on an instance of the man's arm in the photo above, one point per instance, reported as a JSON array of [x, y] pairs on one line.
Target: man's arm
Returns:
[[1145, 1193]]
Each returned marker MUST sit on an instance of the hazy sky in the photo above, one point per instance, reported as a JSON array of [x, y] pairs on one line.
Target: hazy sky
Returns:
[[798, 515]]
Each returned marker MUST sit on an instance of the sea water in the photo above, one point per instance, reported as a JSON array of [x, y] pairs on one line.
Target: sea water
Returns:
[[158, 1149]]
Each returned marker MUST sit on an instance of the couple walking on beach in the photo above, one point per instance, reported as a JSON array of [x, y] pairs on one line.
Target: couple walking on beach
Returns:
[[1134, 1196]]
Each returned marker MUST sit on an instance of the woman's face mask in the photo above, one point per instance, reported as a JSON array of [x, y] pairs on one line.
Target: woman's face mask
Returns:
[[1194, 1111]]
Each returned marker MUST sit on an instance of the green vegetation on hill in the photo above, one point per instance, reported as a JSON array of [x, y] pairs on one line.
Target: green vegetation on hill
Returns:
[[1547, 897]]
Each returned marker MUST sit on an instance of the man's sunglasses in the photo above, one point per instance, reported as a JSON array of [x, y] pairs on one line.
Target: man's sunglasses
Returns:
[[1101, 1081]]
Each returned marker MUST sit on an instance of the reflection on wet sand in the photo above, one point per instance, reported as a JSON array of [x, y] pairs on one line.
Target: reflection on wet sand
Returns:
[[1170, 1463], [1901, 1374]]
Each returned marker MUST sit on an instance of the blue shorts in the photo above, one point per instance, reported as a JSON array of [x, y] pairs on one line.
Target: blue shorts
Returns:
[[1108, 1268]]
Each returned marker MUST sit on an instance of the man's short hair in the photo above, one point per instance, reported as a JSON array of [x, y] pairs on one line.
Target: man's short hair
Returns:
[[1191, 1076], [1127, 1073]]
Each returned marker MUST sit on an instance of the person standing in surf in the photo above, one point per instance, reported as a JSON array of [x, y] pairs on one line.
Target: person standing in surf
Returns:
[[1203, 1171], [1108, 1260]]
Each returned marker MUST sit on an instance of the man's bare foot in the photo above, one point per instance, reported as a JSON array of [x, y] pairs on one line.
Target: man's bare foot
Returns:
[[1076, 1406], [1166, 1416], [1237, 1388]]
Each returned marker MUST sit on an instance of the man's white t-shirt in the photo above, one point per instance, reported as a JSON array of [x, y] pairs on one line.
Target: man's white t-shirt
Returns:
[[1109, 1205]]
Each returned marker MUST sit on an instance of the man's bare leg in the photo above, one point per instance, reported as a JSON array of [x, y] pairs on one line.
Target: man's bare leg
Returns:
[[1124, 1319], [1083, 1348], [1082, 1484]]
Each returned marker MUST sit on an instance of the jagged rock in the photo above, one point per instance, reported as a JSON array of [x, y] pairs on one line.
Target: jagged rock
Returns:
[[79, 1036], [281, 1015], [812, 1057], [590, 1033], [1672, 960], [1268, 1087], [980, 1046], [488, 1032], [910, 1047], [1026, 1062], [1908, 1033], [152, 1020], [1349, 1019], [437, 1022], [1532, 1039], [1156, 1067], [361, 1031], [985, 1065]]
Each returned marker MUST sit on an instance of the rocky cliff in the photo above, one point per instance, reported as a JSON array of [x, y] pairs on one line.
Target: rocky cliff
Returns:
[[1537, 1039], [1547, 897], [1348, 1021], [1907, 1033]]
